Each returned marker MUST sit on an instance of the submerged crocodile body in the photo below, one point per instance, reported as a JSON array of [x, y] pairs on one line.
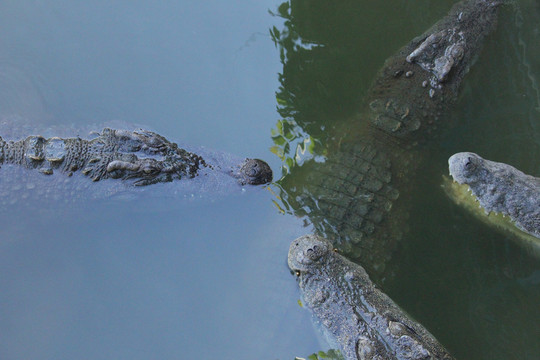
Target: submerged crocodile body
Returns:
[[499, 189], [357, 197], [137, 157], [363, 320]]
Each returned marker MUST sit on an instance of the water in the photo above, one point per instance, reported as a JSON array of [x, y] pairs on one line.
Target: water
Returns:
[[158, 275], [149, 274], [477, 290]]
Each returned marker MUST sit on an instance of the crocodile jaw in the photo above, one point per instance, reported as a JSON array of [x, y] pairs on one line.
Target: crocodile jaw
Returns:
[[462, 195]]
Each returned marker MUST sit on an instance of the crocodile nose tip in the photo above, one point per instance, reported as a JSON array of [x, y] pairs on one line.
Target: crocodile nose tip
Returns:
[[256, 172]]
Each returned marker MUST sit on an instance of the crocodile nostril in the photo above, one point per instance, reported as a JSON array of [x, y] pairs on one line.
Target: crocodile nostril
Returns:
[[256, 172], [469, 164]]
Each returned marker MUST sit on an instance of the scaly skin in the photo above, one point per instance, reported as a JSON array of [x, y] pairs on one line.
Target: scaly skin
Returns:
[[363, 320], [356, 197], [418, 84], [499, 188], [140, 157]]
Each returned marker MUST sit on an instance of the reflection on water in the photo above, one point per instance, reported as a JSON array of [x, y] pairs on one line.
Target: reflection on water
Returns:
[[143, 274], [470, 285]]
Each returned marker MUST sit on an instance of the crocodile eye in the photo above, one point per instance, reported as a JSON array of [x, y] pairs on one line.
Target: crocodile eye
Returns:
[[150, 169], [297, 272]]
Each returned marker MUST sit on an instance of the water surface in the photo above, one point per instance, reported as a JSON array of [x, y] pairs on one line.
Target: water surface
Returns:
[[475, 289], [149, 274], [156, 274]]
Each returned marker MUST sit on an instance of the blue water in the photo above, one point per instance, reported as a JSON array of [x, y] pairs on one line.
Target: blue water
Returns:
[[176, 273], [146, 276]]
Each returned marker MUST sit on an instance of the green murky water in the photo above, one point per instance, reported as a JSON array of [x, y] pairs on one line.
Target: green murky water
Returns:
[[477, 290], [160, 275]]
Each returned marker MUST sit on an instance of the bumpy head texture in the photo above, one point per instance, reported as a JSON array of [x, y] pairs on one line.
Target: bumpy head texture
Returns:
[[467, 168], [306, 251], [141, 157], [254, 172], [500, 188], [363, 321]]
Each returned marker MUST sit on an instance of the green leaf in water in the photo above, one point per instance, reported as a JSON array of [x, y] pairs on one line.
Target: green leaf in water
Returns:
[[283, 9]]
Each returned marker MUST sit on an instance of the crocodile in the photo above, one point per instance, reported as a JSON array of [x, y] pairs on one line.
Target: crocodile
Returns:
[[496, 192], [356, 197], [363, 320], [137, 158]]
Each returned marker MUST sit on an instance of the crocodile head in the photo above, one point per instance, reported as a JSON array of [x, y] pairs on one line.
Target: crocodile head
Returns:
[[468, 168], [146, 171], [496, 192], [253, 172], [307, 251]]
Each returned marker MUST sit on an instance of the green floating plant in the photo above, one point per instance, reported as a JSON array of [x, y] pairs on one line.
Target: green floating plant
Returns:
[[331, 354]]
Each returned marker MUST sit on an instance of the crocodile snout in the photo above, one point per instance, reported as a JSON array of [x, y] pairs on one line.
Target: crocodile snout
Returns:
[[255, 172], [307, 250], [462, 166]]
